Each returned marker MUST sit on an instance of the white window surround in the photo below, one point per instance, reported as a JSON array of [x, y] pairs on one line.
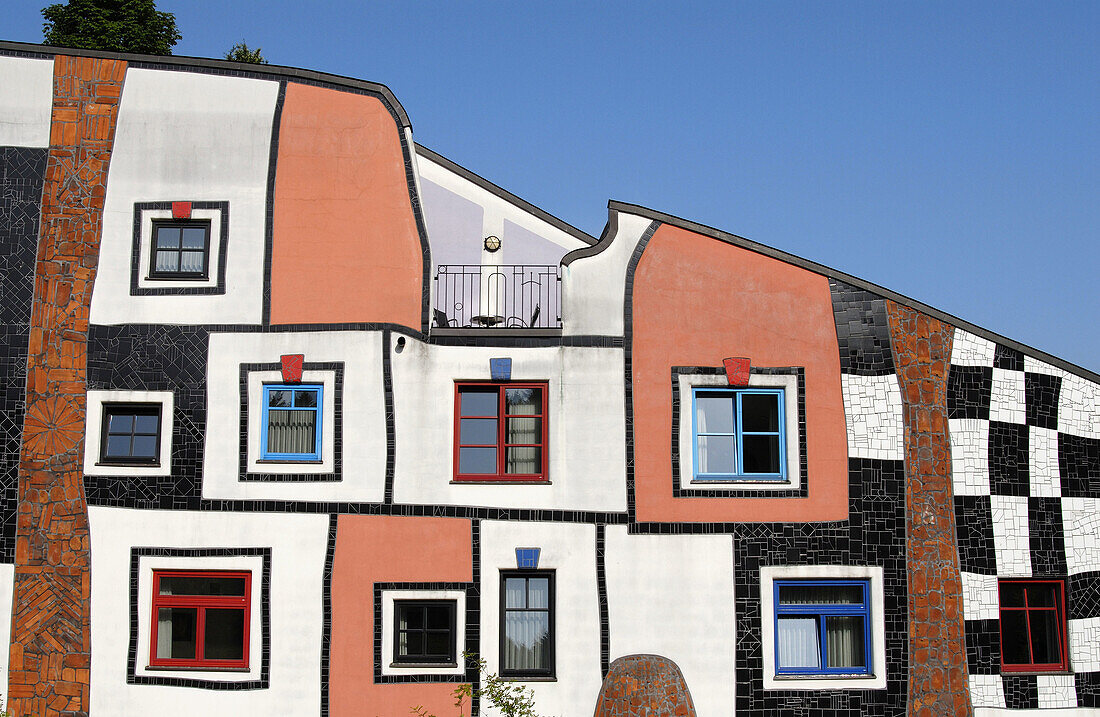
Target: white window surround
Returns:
[[388, 598], [148, 563], [877, 678], [256, 381], [93, 432], [213, 249], [787, 382]]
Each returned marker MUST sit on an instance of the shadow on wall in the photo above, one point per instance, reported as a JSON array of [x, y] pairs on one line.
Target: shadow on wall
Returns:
[[644, 686]]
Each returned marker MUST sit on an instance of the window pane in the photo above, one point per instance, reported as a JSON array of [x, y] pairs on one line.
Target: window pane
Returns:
[[224, 634], [438, 617], [795, 594], [168, 237], [524, 430], [293, 431], [146, 424], [438, 644], [478, 403], [716, 454], [523, 401], [144, 447], [1040, 596], [412, 617], [515, 592], [477, 431], [844, 641], [1014, 649], [477, 460], [798, 642], [761, 454], [412, 643], [192, 261], [194, 237], [523, 461], [538, 593], [176, 633], [713, 414], [118, 446], [279, 398], [201, 585], [168, 260], [526, 641], [1012, 595], [305, 399], [120, 423], [1045, 646], [759, 412]]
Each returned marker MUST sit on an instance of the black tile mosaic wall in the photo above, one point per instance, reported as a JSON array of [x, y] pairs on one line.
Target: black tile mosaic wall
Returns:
[[1045, 533], [22, 171], [1083, 595], [968, 391], [974, 527], [862, 330], [1008, 358], [1079, 466], [875, 536], [1008, 459], [1041, 398], [1021, 692], [983, 647]]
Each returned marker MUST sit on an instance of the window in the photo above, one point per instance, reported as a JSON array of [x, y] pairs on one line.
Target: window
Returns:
[[291, 422], [1033, 625], [424, 632], [500, 431], [200, 619], [527, 624], [130, 434], [181, 250], [739, 434], [822, 627]]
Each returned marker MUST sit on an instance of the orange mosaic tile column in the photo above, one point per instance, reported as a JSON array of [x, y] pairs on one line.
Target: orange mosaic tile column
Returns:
[[50, 650], [937, 651]]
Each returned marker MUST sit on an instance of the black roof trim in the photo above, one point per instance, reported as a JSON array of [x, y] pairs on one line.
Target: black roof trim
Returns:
[[654, 215], [240, 68], [609, 231], [505, 194]]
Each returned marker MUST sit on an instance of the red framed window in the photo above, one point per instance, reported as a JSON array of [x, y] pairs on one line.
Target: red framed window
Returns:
[[500, 431], [200, 619], [1033, 625]]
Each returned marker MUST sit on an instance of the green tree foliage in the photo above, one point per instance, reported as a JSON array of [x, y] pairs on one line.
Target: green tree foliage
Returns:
[[114, 25], [241, 52]]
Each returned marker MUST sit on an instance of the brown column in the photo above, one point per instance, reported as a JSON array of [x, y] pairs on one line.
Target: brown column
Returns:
[[937, 651], [50, 650]]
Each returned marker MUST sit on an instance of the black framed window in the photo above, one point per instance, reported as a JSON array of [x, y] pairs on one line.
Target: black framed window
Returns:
[[527, 623], [131, 433], [181, 250], [424, 631]]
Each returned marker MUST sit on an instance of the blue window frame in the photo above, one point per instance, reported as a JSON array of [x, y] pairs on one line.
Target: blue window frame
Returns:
[[738, 434], [822, 627], [292, 422]]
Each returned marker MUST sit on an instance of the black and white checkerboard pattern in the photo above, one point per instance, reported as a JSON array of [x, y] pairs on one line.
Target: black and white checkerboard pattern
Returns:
[[1025, 451]]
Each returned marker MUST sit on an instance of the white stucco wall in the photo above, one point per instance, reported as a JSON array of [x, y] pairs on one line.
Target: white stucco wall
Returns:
[[188, 136], [26, 101], [672, 595], [297, 545], [7, 587], [570, 551], [364, 415], [592, 287], [587, 433]]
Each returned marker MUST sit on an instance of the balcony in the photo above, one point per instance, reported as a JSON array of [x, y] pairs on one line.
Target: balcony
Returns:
[[505, 296]]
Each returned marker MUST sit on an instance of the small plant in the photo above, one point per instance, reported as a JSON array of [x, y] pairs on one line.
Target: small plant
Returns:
[[508, 698]]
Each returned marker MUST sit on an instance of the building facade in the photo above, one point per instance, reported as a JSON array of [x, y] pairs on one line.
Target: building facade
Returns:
[[300, 417]]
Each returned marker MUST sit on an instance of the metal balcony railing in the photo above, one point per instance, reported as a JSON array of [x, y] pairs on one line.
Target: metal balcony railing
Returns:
[[508, 296]]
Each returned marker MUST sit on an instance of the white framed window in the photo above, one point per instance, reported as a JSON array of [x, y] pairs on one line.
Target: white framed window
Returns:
[[823, 627], [128, 433], [173, 255], [321, 459], [407, 638], [713, 443]]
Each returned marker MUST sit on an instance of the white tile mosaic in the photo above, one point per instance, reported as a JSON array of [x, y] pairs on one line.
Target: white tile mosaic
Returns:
[[969, 455], [970, 350], [1056, 691], [1079, 407], [872, 411], [1084, 644], [1006, 399], [979, 597], [987, 691], [1043, 463], [1010, 535], [1081, 531]]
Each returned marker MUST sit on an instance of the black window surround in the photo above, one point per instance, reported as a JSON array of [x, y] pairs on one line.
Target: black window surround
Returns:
[[176, 244], [429, 629], [128, 436], [538, 671], [217, 243]]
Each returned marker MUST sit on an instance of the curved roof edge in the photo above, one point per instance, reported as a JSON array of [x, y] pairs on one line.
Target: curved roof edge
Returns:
[[506, 195], [609, 231], [654, 215], [209, 63]]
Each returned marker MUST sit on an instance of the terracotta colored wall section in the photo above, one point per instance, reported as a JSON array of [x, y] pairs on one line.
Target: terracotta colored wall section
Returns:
[[346, 246], [937, 651], [50, 641], [696, 301], [372, 549], [644, 686]]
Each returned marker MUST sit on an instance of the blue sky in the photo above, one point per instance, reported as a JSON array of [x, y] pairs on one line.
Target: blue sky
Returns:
[[949, 151]]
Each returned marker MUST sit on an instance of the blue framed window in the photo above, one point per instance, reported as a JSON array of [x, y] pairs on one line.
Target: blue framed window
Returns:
[[292, 422], [738, 434], [822, 627]]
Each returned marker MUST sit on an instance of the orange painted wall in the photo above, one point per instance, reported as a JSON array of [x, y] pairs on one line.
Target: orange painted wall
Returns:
[[345, 245], [372, 549], [698, 300]]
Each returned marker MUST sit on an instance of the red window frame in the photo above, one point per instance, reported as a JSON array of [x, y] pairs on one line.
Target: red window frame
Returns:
[[1059, 608], [501, 444], [201, 603]]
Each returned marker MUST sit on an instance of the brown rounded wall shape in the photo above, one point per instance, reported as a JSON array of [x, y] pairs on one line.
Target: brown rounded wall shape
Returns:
[[345, 242], [644, 686]]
